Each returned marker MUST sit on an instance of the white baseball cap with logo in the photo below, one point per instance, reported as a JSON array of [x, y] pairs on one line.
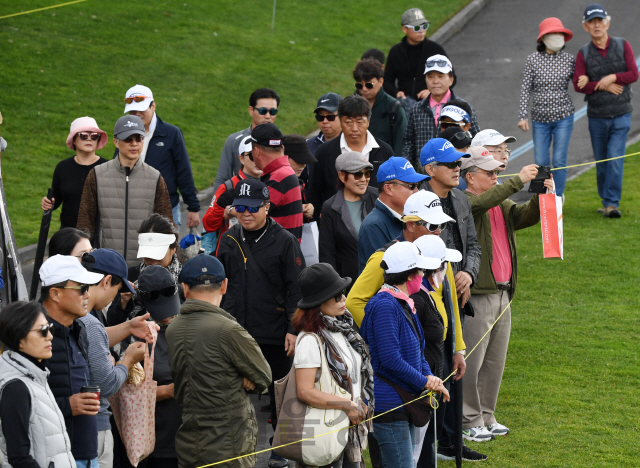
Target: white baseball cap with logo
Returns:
[[491, 137], [138, 91], [245, 145], [405, 256], [433, 246], [426, 206], [61, 268], [455, 113], [154, 244], [482, 158], [438, 63]]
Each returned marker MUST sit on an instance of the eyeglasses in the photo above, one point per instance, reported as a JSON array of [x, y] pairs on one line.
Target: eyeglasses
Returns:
[[250, 209], [409, 186], [84, 136], [330, 117], [264, 110], [340, 295], [82, 288], [491, 173], [505, 152], [132, 138], [153, 295], [45, 330], [424, 27], [451, 165], [131, 99], [367, 85], [432, 227], [444, 125], [462, 135], [437, 63], [360, 174]]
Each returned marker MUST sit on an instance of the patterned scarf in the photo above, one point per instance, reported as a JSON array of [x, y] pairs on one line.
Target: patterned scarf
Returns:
[[175, 267]]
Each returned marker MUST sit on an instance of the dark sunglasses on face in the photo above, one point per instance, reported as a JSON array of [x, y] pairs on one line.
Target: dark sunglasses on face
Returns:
[[84, 136], [330, 117], [129, 100], [82, 288], [368, 85], [424, 27], [444, 125], [439, 63], [409, 186], [451, 165], [152, 295], [462, 135], [432, 227], [264, 110], [45, 330], [491, 173], [360, 174], [250, 209], [132, 138], [340, 295], [248, 154]]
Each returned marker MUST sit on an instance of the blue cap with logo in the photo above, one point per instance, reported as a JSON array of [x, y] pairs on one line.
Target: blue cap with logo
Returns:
[[440, 150], [109, 262], [595, 10], [193, 271], [400, 169]]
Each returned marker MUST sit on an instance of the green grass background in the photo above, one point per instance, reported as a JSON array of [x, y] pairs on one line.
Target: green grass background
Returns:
[[202, 59]]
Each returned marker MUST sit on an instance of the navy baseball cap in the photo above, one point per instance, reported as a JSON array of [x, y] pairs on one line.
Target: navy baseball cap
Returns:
[[250, 192], [109, 262], [193, 271], [400, 169], [595, 10], [440, 150]]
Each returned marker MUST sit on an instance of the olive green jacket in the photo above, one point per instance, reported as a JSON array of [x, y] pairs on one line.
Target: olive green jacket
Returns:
[[516, 217], [209, 354]]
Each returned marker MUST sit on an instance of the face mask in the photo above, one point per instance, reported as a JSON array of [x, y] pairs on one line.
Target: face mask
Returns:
[[553, 42], [413, 285], [438, 277]]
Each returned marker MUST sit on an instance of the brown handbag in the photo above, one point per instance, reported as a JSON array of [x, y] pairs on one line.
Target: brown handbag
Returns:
[[419, 412]]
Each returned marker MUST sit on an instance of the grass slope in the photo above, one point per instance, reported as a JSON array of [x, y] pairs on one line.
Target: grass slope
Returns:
[[202, 59]]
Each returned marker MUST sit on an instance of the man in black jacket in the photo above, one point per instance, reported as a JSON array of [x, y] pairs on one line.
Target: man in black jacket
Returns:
[[404, 71], [164, 149], [262, 261], [65, 295]]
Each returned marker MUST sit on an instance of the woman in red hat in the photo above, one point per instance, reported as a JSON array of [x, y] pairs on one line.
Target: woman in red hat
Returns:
[[545, 80]]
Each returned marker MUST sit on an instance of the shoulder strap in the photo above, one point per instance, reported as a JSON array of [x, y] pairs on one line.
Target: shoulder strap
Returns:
[[393, 113], [585, 50], [228, 185]]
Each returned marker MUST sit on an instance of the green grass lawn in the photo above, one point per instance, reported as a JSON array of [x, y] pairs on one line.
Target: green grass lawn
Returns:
[[202, 59]]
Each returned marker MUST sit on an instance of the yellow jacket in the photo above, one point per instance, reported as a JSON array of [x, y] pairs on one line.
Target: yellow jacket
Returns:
[[370, 281]]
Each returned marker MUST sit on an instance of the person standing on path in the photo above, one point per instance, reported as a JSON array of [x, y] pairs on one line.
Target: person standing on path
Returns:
[[545, 80], [69, 175], [164, 149], [605, 69]]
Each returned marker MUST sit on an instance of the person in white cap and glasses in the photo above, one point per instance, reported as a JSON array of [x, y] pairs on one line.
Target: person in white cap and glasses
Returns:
[[497, 219], [85, 137], [164, 149], [65, 294], [396, 342], [121, 193], [425, 116], [496, 143]]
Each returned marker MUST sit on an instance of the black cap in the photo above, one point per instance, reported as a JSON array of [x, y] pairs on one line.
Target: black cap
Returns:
[[158, 292], [200, 269], [329, 102], [595, 10], [448, 134], [267, 134], [250, 192], [319, 283], [299, 152]]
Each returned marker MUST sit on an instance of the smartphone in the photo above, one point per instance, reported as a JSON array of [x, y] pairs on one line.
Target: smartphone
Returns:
[[537, 184]]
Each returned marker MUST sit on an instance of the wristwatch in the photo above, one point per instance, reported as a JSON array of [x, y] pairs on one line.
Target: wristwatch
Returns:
[[463, 352]]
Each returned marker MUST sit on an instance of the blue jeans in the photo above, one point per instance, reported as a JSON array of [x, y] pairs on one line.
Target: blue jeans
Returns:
[[396, 441], [177, 216], [560, 131], [87, 463], [609, 139]]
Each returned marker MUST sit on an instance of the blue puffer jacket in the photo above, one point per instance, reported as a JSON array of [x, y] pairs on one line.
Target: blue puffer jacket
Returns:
[[397, 353]]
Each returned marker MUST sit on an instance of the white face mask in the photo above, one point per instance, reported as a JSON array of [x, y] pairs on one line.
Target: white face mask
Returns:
[[553, 42], [438, 277]]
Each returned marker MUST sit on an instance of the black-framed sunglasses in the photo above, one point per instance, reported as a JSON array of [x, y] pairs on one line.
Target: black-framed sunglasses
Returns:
[[153, 295], [462, 135], [438, 63], [330, 117], [360, 174], [248, 154], [250, 209], [411, 186], [136, 138], [451, 165], [264, 110], [432, 227], [445, 125], [45, 330], [424, 27], [340, 295], [83, 288], [367, 85], [84, 136]]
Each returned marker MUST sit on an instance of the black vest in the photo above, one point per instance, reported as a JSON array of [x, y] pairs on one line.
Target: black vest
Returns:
[[603, 104]]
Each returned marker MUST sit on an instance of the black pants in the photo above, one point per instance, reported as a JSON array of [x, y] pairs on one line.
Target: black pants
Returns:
[[280, 364], [162, 462]]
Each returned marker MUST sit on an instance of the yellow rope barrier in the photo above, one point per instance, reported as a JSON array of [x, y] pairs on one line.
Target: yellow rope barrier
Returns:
[[41, 9]]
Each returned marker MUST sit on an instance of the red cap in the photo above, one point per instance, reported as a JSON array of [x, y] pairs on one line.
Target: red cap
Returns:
[[553, 25]]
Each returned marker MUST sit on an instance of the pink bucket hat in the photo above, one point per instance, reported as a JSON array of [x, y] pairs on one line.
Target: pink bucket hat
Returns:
[[86, 124]]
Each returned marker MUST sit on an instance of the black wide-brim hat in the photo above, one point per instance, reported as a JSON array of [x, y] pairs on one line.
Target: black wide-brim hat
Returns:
[[318, 283]]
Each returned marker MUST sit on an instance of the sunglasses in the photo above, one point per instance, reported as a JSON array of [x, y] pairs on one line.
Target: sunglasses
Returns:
[[438, 63], [491, 173], [248, 154], [444, 125], [367, 85], [330, 117], [462, 135], [250, 209], [45, 330], [423, 27], [84, 136], [129, 100], [360, 174], [82, 288], [340, 295], [264, 110], [132, 138], [432, 227], [153, 295], [409, 186], [451, 165]]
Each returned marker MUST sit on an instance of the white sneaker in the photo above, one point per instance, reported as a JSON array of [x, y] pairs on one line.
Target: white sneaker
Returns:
[[498, 429], [477, 434]]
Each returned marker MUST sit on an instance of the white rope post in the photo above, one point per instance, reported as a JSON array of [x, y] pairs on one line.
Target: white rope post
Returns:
[[273, 19]]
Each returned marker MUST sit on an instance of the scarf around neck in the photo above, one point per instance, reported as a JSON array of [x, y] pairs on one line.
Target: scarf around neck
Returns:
[[395, 292]]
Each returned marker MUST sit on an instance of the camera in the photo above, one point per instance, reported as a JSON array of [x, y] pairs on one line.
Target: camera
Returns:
[[537, 184]]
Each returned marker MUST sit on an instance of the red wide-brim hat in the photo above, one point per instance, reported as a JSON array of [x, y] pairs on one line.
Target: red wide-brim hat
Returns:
[[553, 25]]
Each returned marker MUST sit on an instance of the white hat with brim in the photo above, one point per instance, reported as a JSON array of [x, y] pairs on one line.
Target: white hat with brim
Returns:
[[446, 68], [433, 246], [154, 245], [426, 206], [405, 256], [138, 90], [491, 137], [245, 145], [61, 268]]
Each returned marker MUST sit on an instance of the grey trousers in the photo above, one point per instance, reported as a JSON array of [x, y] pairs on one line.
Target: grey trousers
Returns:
[[481, 383], [105, 449]]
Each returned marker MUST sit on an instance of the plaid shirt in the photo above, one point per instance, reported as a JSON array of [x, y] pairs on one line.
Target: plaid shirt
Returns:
[[422, 128]]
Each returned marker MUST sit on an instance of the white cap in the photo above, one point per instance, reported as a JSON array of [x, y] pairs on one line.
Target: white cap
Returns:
[[433, 246], [491, 137], [245, 145], [154, 245], [426, 206], [405, 256], [441, 67], [455, 113], [61, 268], [139, 90]]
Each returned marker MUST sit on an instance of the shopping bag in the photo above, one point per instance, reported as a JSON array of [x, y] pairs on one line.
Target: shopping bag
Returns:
[[134, 410], [309, 243], [189, 246], [551, 221]]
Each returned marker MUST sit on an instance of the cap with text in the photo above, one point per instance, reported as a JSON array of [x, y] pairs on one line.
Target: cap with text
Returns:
[[482, 158], [267, 134], [413, 17], [128, 125], [433, 246], [400, 169], [138, 91], [328, 102], [455, 113], [425, 206], [405, 256], [595, 10], [440, 150], [61, 268], [200, 270], [250, 192], [491, 137], [438, 63]]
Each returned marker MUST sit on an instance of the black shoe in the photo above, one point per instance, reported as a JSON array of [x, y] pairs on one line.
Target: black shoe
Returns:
[[449, 454], [276, 461]]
